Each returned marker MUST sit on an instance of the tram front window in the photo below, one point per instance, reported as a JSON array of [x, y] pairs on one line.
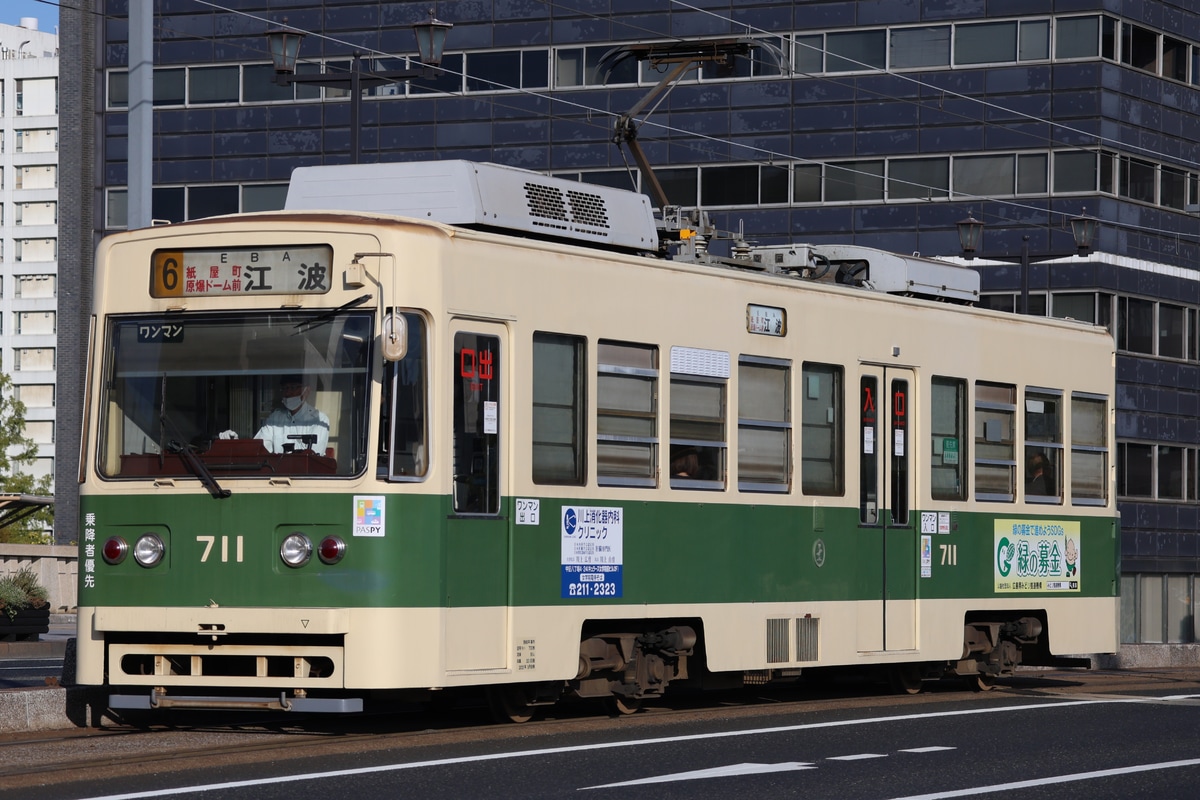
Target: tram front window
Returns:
[[219, 386]]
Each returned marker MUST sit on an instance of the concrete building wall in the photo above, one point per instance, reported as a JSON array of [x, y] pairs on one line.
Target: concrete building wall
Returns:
[[29, 171]]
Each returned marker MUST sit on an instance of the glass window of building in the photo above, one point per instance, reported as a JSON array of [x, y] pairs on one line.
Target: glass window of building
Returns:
[[1032, 173], [810, 54], [1035, 40], [1135, 469], [1135, 325], [1137, 179], [806, 183], [170, 86], [679, 184], [1074, 172], [212, 201], [985, 43], [846, 181], [918, 178], [1139, 47], [1174, 59], [910, 48], [855, 51], [729, 186], [259, 86], [35, 395], [535, 69], [1076, 37], [166, 202], [984, 176], [264, 197], [1172, 331], [492, 71], [214, 84], [1172, 188]]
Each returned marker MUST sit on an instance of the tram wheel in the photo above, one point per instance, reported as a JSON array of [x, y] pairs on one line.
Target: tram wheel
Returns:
[[510, 703], [624, 706], [981, 682], [906, 678]]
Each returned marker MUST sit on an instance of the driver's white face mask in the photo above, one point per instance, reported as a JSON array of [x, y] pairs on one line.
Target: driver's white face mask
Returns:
[[293, 403]]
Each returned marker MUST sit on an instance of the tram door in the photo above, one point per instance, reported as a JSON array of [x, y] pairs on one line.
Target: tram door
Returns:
[[475, 550], [887, 571]]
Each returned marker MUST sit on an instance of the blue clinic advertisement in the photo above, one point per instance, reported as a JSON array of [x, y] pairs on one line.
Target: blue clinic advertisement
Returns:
[[592, 551]]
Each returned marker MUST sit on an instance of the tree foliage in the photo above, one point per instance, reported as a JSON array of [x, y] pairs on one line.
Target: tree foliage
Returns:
[[18, 451]]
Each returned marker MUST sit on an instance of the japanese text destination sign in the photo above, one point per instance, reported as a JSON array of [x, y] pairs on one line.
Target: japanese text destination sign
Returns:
[[213, 272]]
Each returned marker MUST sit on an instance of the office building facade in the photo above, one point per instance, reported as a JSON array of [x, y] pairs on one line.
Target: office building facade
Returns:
[[882, 124], [29, 228]]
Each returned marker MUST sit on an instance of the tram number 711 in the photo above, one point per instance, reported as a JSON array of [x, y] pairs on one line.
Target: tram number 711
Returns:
[[209, 541]]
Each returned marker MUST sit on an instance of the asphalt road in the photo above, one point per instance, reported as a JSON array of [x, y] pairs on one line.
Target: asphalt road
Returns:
[[1097, 736]]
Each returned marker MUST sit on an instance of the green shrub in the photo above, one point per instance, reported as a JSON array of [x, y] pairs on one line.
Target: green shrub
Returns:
[[20, 591]]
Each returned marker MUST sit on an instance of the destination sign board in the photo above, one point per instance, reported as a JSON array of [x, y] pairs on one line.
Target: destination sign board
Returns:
[[212, 272]]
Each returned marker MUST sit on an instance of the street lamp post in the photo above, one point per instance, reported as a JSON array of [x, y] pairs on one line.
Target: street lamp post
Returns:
[[1083, 228], [284, 44]]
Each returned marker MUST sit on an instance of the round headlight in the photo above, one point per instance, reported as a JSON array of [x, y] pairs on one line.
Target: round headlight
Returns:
[[115, 550], [296, 550], [149, 549], [331, 549]]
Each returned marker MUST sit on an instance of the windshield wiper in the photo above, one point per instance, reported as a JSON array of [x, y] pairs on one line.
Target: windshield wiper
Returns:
[[198, 469], [320, 319]]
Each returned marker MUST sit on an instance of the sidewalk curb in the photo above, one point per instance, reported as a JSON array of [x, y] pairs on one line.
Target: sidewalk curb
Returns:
[[50, 708]]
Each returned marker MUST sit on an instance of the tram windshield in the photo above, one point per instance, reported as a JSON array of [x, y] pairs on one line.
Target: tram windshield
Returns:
[[259, 395]]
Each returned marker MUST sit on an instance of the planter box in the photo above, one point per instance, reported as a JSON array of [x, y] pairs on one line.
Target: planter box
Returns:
[[27, 624]]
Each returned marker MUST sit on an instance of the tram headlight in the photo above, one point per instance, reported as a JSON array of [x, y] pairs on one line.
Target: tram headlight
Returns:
[[149, 549], [296, 550], [332, 549], [114, 550]]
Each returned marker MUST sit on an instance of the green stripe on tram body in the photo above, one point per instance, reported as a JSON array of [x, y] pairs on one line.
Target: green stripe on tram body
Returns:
[[673, 552]]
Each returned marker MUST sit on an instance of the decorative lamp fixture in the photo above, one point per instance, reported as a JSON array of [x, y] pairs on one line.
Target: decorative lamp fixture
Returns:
[[431, 39], [284, 44], [1083, 228], [970, 231]]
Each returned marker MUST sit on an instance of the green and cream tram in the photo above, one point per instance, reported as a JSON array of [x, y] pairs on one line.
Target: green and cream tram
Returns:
[[554, 463]]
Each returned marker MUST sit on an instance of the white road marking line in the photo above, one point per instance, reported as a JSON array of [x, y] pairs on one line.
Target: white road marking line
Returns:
[[715, 772], [1052, 780], [926, 749], [442, 762], [859, 757]]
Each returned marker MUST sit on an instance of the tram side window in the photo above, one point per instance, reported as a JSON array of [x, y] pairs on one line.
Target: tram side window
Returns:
[[764, 457], [626, 414], [404, 429], [1089, 450], [698, 443], [948, 427], [559, 455], [1043, 445], [821, 422], [995, 446]]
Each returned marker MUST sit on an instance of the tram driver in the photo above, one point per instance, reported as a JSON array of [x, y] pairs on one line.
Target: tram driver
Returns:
[[296, 424]]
